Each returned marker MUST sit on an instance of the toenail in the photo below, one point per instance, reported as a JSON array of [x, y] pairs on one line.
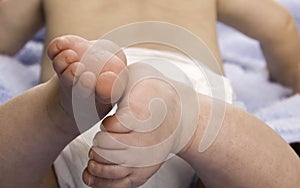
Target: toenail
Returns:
[[92, 165], [108, 74], [61, 42], [91, 155], [91, 180], [59, 45]]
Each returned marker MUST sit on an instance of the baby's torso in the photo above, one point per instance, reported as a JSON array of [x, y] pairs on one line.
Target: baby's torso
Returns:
[[99, 17], [197, 16]]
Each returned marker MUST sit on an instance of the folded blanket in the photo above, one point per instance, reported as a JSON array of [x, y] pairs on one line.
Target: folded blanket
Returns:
[[244, 66], [16, 77]]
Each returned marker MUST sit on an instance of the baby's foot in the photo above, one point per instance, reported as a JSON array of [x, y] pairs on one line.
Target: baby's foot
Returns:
[[154, 111], [76, 62], [155, 117]]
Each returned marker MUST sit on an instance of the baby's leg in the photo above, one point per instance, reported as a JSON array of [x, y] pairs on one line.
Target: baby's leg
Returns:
[[245, 153], [19, 22], [67, 53]]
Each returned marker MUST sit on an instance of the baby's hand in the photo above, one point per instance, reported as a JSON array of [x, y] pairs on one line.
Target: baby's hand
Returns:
[[156, 117]]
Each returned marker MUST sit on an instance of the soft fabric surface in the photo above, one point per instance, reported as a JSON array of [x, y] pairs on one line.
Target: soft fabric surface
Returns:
[[244, 66]]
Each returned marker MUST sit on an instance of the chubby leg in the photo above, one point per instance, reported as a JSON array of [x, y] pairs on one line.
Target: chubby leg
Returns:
[[19, 22], [245, 153], [50, 180], [38, 135]]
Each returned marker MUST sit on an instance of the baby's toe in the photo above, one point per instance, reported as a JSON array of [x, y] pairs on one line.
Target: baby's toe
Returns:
[[105, 84], [112, 80], [63, 60], [70, 75], [56, 46], [67, 42], [112, 124]]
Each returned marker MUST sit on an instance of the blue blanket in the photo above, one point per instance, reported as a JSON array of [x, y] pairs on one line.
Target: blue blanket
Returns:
[[244, 66]]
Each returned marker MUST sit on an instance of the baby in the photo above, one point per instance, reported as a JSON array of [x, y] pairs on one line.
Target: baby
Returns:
[[281, 54], [245, 149], [113, 164], [263, 20]]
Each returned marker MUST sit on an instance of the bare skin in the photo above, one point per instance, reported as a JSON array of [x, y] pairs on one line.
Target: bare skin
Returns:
[[270, 156], [18, 153], [281, 53], [239, 144], [94, 14], [243, 140], [66, 53], [14, 18], [246, 153], [56, 125], [199, 17], [60, 20], [205, 13]]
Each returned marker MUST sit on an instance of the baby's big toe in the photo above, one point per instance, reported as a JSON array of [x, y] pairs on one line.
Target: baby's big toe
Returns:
[[112, 81], [56, 46], [60, 44], [109, 87], [108, 62]]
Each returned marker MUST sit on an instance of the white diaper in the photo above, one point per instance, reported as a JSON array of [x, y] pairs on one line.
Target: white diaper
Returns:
[[175, 173]]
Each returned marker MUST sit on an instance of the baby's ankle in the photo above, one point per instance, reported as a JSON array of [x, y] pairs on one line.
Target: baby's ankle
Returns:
[[61, 120], [199, 128]]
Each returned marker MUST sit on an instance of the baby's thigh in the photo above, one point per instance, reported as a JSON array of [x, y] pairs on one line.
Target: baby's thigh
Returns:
[[174, 173], [50, 180]]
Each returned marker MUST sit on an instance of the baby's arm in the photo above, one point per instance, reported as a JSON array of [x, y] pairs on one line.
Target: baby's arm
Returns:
[[19, 21], [274, 28]]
